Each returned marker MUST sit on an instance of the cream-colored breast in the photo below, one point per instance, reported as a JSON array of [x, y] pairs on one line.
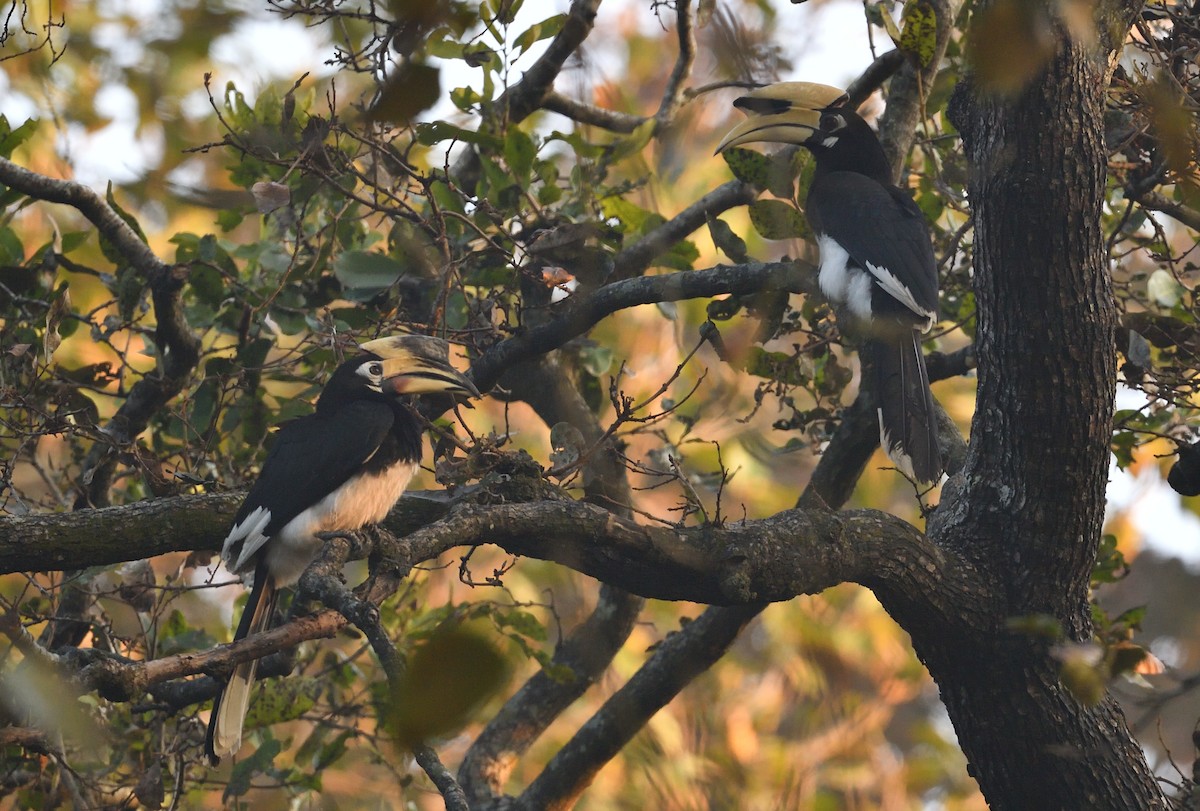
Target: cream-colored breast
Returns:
[[365, 498]]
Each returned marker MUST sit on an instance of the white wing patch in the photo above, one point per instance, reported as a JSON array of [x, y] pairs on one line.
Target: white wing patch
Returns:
[[249, 533], [897, 290], [364, 499]]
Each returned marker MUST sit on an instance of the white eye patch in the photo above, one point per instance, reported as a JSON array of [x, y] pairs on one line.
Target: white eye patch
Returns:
[[372, 370]]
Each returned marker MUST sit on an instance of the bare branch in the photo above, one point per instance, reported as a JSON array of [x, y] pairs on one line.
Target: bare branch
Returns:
[[1157, 201], [633, 260], [91, 205], [795, 552], [590, 114], [577, 317], [874, 76], [907, 93], [680, 658], [450, 790], [590, 647], [527, 96], [119, 679], [35, 740], [673, 95], [102, 537]]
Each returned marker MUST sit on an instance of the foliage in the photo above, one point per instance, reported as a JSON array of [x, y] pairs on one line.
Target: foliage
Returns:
[[330, 209]]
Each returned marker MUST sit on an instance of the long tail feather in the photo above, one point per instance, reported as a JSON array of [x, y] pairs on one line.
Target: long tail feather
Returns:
[[229, 708], [907, 420]]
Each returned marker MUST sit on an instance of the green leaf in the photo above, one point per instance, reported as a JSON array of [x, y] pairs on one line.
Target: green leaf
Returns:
[[635, 142], [783, 167], [73, 239], [889, 25], [522, 622], [774, 366], [635, 218], [435, 132], [537, 32], [519, 154], [204, 404], [254, 354], [596, 360], [229, 219], [919, 36], [364, 270], [583, 149], [280, 700], [680, 256], [12, 252], [11, 138], [465, 98], [748, 166], [334, 750], [208, 285], [775, 219], [177, 635], [724, 238], [107, 248]]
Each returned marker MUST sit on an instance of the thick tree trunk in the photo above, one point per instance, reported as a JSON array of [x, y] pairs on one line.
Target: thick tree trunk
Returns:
[[1029, 502]]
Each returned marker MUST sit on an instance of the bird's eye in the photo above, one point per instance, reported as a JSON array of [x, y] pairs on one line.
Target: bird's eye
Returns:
[[375, 370], [831, 122]]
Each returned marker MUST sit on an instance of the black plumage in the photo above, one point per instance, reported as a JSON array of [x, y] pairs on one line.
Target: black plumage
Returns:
[[339, 469], [876, 257]]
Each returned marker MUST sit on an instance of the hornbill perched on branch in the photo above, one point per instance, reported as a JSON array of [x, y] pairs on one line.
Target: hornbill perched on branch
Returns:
[[876, 256], [339, 469]]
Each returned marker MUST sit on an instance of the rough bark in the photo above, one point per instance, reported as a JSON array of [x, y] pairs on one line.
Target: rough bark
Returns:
[[1029, 502]]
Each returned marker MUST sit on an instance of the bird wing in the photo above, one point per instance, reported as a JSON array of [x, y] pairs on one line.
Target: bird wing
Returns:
[[884, 232], [311, 458]]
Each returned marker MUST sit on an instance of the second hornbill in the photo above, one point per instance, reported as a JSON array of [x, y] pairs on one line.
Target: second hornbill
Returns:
[[339, 469], [876, 259]]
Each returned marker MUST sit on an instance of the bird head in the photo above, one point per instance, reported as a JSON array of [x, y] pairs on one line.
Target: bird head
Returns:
[[801, 113], [817, 117], [392, 367], [411, 364]]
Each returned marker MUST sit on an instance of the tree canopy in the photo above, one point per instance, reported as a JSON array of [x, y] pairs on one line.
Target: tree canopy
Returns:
[[663, 563]]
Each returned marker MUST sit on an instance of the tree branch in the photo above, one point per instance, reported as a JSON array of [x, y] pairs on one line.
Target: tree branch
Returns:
[[673, 95], [909, 88], [590, 114], [577, 317], [798, 551], [870, 80], [677, 660], [527, 96], [179, 348], [92, 206], [102, 537], [633, 260], [590, 647], [118, 679], [450, 790], [1157, 201]]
